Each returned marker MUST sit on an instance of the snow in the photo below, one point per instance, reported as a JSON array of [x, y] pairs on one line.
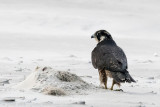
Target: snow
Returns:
[[57, 33]]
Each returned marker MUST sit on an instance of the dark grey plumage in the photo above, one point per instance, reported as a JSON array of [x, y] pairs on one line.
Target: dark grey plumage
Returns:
[[108, 56]]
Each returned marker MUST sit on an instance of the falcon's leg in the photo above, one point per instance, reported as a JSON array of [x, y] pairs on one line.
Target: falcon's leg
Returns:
[[113, 84], [103, 77], [105, 84], [117, 84]]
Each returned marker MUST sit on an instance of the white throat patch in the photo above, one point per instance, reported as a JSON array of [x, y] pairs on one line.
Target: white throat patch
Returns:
[[102, 38]]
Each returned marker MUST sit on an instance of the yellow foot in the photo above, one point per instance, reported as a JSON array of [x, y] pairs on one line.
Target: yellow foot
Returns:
[[104, 87], [111, 88]]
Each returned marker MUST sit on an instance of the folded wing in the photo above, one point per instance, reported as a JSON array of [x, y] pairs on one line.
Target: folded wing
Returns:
[[111, 58]]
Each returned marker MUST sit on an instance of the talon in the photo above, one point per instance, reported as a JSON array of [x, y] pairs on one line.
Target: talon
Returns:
[[111, 89], [104, 87]]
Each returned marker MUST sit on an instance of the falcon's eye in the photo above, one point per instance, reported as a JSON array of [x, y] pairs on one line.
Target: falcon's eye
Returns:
[[98, 33]]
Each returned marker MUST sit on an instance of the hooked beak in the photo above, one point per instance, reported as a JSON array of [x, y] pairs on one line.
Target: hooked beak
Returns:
[[93, 36]]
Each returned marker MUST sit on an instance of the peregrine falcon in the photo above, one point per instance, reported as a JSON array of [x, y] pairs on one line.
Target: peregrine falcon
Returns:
[[110, 60]]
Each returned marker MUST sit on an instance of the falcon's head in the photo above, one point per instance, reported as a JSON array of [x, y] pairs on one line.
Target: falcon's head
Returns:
[[100, 35]]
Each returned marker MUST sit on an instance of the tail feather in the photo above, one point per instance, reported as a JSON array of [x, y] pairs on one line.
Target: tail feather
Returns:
[[122, 77], [118, 77], [132, 79]]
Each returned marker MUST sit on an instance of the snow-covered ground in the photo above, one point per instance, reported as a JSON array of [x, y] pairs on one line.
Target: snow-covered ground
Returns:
[[57, 33]]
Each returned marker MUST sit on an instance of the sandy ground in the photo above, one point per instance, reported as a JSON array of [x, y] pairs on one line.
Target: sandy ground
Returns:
[[57, 34]]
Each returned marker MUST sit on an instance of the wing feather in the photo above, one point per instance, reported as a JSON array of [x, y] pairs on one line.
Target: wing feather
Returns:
[[109, 57], [94, 59]]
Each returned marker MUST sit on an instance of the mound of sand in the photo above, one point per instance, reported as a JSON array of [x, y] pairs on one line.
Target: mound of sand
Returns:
[[52, 82]]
